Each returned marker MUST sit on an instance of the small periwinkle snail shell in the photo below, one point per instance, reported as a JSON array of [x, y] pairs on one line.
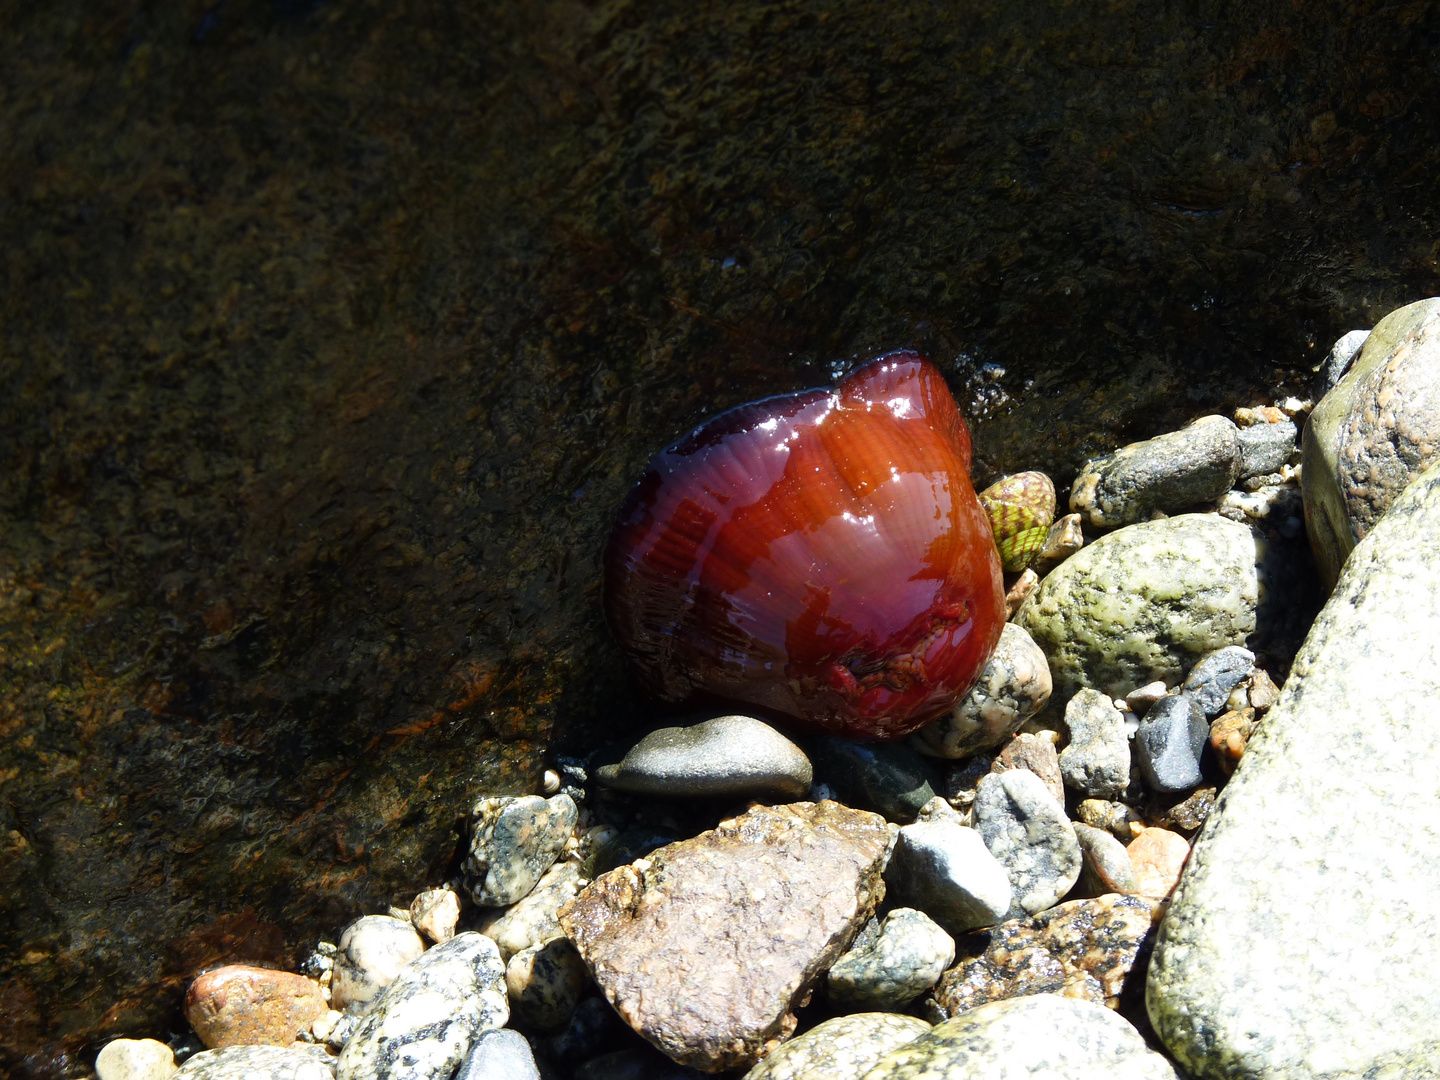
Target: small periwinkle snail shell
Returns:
[[1020, 508], [818, 556]]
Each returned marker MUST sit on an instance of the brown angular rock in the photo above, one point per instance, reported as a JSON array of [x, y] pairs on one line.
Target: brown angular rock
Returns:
[[1083, 949], [705, 947], [1036, 753], [239, 1005]]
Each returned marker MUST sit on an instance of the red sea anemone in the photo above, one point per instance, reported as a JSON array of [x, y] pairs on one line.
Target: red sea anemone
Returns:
[[819, 556]]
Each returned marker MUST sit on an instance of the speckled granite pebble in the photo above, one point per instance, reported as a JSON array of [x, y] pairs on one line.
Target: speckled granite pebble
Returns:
[[1145, 603], [372, 950], [1114, 817], [729, 756], [258, 1063], [706, 946], [1082, 949], [946, 870], [435, 913], [1107, 868], [1170, 472], [1028, 833], [499, 1054], [1042, 1037], [423, 1025], [1034, 751], [1014, 685], [532, 920], [545, 983], [901, 962], [135, 1059], [513, 842], [1304, 938], [844, 1048], [1097, 760], [1229, 735], [1169, 743], [1265, 447]]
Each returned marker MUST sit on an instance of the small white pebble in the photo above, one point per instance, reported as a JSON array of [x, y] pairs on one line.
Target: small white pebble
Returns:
[[1293, 405]]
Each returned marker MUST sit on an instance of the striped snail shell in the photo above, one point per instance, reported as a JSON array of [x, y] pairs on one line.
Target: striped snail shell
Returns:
[[1021, 508]]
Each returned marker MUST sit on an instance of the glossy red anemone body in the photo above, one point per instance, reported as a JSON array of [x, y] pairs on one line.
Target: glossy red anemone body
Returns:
[[819, 555]]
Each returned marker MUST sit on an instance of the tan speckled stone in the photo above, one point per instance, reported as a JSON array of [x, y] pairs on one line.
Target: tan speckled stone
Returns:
[[239, 1005], [706, 946], [838, 1049]]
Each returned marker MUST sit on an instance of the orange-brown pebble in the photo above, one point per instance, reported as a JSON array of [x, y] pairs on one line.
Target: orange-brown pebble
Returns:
[[1158, 856], [239, 1005], [1228, 736]]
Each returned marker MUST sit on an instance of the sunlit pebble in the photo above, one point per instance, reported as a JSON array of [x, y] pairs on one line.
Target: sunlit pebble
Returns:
[[550, 784]]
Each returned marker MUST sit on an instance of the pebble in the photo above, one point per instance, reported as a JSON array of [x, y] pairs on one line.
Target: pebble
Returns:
[[1014, 686], [1304, 937], [1372, 433], [258, 1063], [1082, 949], [1107, 867], [238, 1005], [1114, 817], [889, 779], [137, 1059], [1064, 540], [1189, 813], [533, 920], [1342, 354], [499, 1054], [895, 966], [729, 756], [514, 841], [1169, 743], [1158, 856], [1266, 447], [945, 869], [1096, 763], [545, 983], [1229, 735], [424, 1024], [1170, 472], [1211, 680], [1036, 752], [843, 1048], [372, 950], [1141, 699], [1262, 691], [963, 778], [677, 941], [435, 913], [1145, 603], [1041, 1036], [1020, 591], [1027, 832]]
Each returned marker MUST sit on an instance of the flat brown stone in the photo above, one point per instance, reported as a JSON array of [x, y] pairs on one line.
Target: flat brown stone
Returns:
[[1083, 949], [239, 1005], [705, 947]]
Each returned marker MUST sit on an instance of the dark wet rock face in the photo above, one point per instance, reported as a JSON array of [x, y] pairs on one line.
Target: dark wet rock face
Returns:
[[332, 335]]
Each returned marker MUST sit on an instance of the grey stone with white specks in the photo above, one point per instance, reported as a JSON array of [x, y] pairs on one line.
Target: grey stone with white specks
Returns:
[[424, 1024], [945, 869], [1265, 447], [1097, 761], [1040, 1037], [1169, 743], [371, 951], [1028, 833], [499, 1054], [1211, 680], [1145, 603], [258, 1063], [1014, 685], [844, 1048], [729, 756], [514, 840], [1371, 434], [894, 967], [1170, 472], [1337, 362], [1303, 940]]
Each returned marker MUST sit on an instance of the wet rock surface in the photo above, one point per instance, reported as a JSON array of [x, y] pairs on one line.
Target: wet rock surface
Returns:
[[314, 425], [704, 946]]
